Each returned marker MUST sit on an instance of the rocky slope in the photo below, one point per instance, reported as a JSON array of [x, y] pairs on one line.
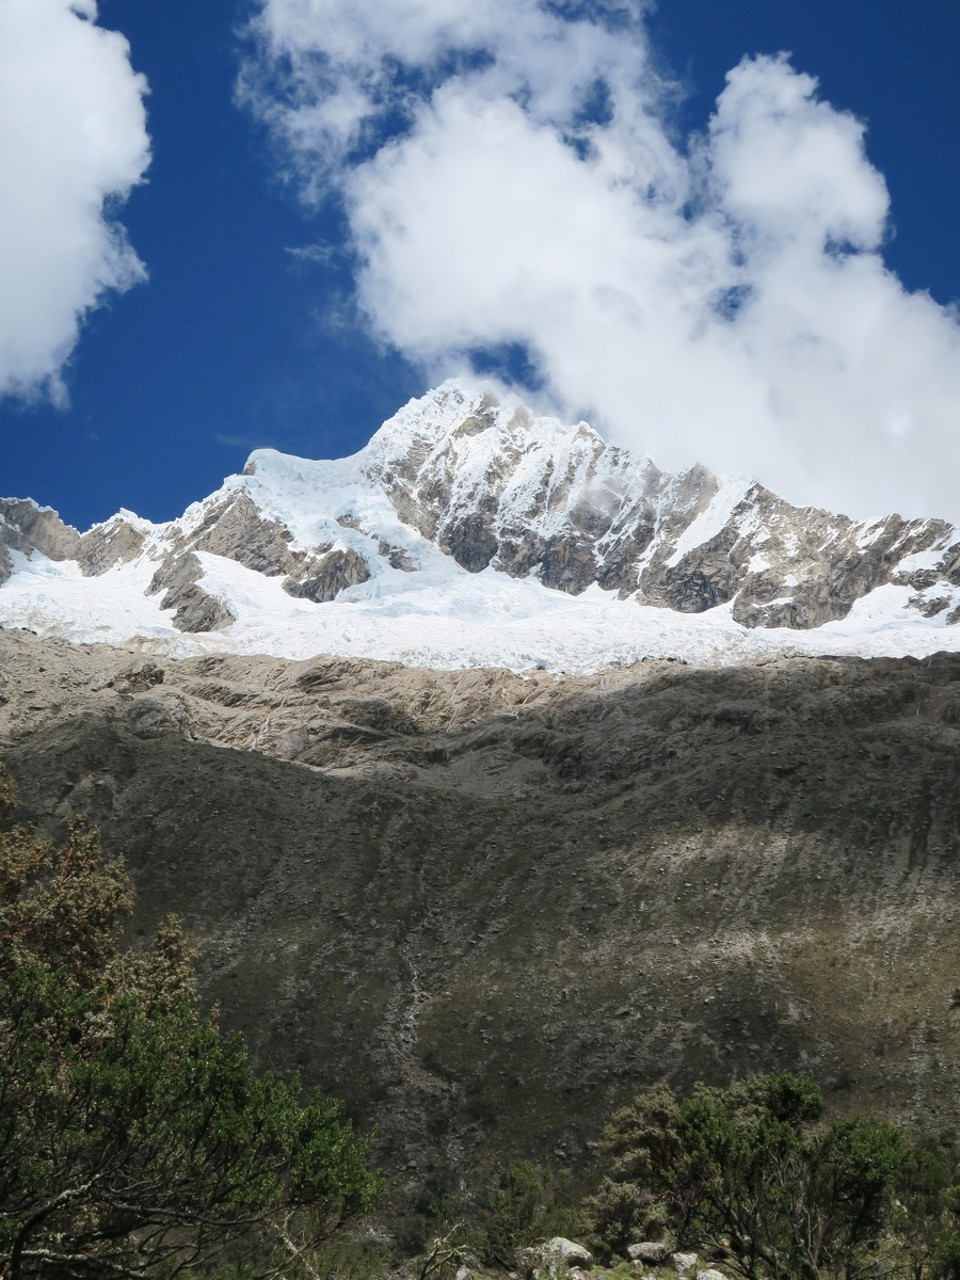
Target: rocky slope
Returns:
[[487, 908], [456, 482]]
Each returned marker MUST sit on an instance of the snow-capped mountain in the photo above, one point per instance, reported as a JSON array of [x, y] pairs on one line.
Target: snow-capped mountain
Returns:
[[469, 532]]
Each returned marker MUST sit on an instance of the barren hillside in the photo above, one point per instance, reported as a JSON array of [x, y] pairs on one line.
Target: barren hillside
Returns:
[[484, 908]]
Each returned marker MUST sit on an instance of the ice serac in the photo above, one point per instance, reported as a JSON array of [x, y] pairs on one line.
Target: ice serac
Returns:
[[460, 488]]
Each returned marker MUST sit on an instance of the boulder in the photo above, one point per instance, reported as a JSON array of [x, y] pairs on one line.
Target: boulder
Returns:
[[560, 1254], [653, 1251], [684, 1261], [158, 717]]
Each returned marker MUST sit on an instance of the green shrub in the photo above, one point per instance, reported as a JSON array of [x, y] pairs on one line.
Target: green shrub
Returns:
[[133, 1137], [521, 1207], [753, 1175]]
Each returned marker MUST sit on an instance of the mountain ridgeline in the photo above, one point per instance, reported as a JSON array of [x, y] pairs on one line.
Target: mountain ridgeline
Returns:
[[456, 476]]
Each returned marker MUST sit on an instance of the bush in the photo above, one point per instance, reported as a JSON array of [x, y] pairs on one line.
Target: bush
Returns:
[[520, 1208], [755, 1176]]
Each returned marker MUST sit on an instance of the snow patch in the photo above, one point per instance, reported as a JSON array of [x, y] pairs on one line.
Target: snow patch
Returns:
[[445, 618], [712, 519]]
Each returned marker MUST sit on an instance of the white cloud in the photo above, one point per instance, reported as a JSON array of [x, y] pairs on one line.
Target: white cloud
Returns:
[[73, 142], [321, 254], [509, 176]]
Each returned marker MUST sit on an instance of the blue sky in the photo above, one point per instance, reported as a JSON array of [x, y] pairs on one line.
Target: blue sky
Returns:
[[270, 316]]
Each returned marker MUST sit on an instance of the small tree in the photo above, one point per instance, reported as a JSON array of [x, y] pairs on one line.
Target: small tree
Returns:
[[134, 1139], [926, 1224], [642, 1143], [756, 1175]]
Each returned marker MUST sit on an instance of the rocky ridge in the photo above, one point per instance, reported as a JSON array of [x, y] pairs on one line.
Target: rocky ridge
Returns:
[[458, 478]]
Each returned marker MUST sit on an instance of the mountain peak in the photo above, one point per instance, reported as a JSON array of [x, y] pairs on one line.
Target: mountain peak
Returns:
[[470, 531]]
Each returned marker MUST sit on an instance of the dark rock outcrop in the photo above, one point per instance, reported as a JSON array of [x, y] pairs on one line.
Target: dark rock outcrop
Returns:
[[196, 610], [321, 578], [238, 530]]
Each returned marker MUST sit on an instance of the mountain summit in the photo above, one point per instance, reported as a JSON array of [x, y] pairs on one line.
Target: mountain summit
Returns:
[[469, 532]]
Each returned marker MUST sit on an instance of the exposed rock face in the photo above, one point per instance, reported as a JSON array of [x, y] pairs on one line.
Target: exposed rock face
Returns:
[[175, 574], [500, 488], [26, 527], [493, 487], [507, 490], [235, 528], [106, 545], [323, 577], [196, 609]]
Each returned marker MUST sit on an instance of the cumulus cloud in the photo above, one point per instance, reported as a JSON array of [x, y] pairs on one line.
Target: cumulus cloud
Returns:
[[73, 142], [510, 176]]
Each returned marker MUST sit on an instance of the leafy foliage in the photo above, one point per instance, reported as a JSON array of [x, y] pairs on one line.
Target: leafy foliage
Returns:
[[484, 1225], [134, 1139], [520, 1207], [756, 1175]]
